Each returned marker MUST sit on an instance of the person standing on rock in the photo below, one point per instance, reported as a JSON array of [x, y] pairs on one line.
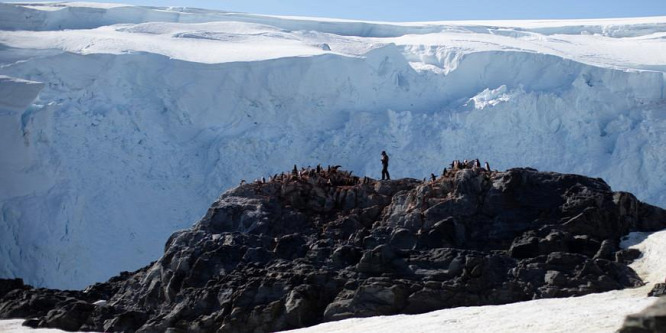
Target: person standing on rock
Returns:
[[385, 160]]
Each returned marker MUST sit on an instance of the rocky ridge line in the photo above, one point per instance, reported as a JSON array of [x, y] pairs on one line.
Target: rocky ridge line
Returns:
[[320, 245]]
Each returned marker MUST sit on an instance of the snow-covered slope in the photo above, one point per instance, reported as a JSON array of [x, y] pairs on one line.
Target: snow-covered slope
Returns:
[[145, 115]]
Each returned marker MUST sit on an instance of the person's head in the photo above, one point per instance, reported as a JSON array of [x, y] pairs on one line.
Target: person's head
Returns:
[[383, 152]]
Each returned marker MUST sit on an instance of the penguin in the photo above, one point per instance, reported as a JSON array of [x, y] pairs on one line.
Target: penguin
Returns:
[[444, 172], [487, 166], [433, 177], [242, 182], [263, 180]]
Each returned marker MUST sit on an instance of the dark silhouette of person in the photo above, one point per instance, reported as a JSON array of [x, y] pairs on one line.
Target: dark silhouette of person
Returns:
[[385, 160]]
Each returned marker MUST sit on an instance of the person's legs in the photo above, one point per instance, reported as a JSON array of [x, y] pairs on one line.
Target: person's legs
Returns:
[[385, 174]]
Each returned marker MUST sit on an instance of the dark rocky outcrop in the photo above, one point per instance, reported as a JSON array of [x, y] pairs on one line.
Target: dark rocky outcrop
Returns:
[[323, 245], [658, 290]]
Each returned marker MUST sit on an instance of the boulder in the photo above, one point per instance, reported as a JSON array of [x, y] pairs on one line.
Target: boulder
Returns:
[[658, 290], [70, 316]]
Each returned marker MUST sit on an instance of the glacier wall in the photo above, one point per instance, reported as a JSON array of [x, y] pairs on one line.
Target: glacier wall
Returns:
[[117, 151]]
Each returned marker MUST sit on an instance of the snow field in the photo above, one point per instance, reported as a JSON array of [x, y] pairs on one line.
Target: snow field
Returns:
[[14, 326]]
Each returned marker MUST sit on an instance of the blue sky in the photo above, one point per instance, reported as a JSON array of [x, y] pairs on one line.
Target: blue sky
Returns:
[[429, 10]]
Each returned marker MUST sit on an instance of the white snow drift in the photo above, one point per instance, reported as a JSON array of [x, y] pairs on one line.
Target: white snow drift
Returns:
[[145, 115]]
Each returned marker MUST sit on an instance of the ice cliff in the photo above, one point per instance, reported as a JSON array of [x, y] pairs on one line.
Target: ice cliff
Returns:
[[144, 115]]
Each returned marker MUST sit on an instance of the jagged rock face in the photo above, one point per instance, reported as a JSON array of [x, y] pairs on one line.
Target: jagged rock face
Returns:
[[322, 246]]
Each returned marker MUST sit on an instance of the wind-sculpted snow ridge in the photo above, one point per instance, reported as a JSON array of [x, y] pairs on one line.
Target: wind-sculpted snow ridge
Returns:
[[146, 113], [320, 244]]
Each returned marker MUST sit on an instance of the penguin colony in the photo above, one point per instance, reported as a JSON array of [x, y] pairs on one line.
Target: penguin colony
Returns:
[[332, 176]]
